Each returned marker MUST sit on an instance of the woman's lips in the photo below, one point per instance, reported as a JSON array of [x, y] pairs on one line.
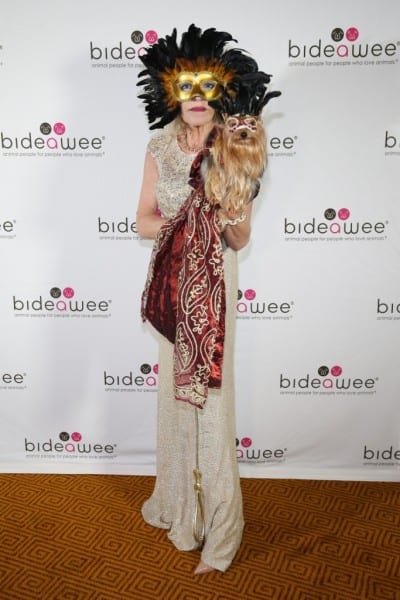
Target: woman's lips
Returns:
[[197, 109]]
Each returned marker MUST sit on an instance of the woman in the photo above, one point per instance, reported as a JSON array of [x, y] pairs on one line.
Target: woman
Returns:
[[197, 494]]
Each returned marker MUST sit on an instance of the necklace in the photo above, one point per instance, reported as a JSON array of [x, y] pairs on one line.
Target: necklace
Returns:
[[185, 146]]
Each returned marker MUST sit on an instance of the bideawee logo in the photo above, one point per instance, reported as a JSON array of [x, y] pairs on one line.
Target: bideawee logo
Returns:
[[246, 452], [60, 303], [12, 381], [345, 48], [387, 310], [388, 456], [282, 146], [51, 141], [69, 446], [7, 229], [121, 54], [327, 381], [392, 143], [117, 229], [334, 226], [249, 306], [144, 379]]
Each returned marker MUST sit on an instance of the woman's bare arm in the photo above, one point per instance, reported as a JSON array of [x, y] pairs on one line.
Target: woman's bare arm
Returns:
[[148, 222]]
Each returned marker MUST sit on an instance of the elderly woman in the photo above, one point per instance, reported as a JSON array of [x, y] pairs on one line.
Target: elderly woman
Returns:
[[191, 291]]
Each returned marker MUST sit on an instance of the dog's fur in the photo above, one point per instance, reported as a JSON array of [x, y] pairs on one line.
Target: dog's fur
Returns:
[[235, 165]]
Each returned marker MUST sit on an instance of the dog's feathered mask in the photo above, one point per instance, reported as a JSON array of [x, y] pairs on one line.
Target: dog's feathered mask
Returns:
[[239, 155]]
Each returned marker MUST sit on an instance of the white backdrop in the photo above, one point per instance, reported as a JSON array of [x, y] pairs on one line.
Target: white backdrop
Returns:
[[319, 302]]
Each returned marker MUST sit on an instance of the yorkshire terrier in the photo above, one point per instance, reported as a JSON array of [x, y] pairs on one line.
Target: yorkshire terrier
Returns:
[[238, 157], [236, 163]]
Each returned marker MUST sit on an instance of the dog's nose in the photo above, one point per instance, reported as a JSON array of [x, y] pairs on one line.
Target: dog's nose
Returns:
[[243, 134]]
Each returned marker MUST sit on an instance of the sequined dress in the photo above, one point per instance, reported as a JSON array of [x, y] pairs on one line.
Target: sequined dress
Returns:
[[172, 503]]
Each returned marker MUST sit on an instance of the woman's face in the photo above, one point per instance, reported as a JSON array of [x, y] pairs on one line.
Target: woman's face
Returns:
[[197, 112]]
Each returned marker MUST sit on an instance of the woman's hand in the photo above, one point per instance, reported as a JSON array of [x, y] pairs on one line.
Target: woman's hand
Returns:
[[235, 227]]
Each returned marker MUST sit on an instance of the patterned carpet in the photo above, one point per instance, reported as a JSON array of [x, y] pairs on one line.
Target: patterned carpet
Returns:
[[76, 537]]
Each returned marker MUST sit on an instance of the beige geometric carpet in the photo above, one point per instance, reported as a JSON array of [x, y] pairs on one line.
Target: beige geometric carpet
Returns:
[[74, 537]]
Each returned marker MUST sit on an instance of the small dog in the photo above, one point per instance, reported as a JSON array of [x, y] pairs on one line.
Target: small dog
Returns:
[[236, 163]]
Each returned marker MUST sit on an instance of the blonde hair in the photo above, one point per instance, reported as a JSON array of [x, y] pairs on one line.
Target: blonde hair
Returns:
[[235, 168]]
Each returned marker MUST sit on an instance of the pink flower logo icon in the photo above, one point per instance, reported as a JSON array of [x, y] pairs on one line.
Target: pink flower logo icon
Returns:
[[246, 442], [155, 369], [151, 36], [336, 371], [68, 292], [352, 34], [76, 436], [59, 128], [250, 294], [343, 213]]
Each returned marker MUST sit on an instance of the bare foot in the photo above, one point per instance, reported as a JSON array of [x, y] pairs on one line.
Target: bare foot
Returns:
[[202, 567]]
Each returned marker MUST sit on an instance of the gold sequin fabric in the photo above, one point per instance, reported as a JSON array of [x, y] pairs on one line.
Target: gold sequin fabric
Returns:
[[172, 503], [173, 166]]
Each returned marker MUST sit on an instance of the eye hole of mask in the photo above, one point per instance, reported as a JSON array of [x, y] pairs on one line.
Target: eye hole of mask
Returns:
[[185, 86], [208, 86], [232, 123], [251, 122]]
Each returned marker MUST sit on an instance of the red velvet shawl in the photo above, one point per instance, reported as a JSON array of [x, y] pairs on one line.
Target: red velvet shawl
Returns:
[[184, 296]]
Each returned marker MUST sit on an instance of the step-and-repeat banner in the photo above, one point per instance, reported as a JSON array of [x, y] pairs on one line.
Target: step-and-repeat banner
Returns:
[[318, 312]]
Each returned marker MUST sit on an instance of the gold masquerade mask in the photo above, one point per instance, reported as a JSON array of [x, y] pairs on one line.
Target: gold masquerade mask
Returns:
[[189, 78], [188, 85]]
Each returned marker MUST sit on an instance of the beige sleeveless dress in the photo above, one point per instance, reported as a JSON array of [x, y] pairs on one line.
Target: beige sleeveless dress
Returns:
[[172, 503]]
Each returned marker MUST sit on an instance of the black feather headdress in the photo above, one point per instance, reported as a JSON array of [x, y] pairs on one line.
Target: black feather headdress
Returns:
[[247, 95], [198, 51]]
